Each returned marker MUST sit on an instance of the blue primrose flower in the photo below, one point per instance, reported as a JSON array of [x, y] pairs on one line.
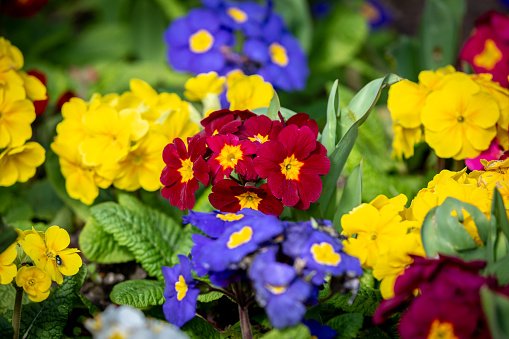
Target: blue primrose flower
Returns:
[[180, 292], [239, 239], [279, 289], [319, 331], [195, 42], [376, 14]]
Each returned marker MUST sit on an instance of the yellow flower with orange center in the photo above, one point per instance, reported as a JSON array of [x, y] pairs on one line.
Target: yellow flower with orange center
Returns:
[[290, 167], [35, 282], [230, 156], [249, 200]]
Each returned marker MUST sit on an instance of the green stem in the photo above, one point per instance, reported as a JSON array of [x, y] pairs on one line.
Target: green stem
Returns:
[[245, 326], [16, 317]]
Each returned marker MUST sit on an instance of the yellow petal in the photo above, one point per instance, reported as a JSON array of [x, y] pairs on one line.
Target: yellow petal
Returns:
[[57, 239]]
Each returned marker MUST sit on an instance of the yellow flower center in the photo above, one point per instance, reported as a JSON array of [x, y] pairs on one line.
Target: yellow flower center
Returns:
[[370, 12], [229, 156], [275, 289], [290, 167], [181, 288], [237, 14], [461, 119], [230, 217], [489, 57], [201, 41], [240, 238], [31, 282], [117, 335], [186, 171], [441, 330], [137, 159], [278, 54], [50, 254], [373, 236], [324, 254], [260, 138], [249, 200]]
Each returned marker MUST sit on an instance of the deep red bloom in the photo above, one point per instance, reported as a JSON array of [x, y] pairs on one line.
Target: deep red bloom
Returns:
[[23, 8], [487, 50], [64, 97], [224, 122], [260, 129], [229, 196], [184, 169], [302, 119], [40, 105], [231, 153], [293, 165]]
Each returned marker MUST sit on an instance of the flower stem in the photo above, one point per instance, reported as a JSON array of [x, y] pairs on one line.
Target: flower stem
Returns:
[[16, 316], [245, 326]]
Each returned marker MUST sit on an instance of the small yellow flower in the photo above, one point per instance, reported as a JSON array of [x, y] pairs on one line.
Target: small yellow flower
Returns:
[[10, 56], [199, 87], [7, 267], [16, 115], [404, 140], [249, 92], [35, 89], [18, 164], [52, 255], [35, 282]]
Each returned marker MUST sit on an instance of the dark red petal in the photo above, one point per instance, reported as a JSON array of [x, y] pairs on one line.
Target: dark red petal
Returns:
[[276, 183], [290, 192], [302, 119], [248, 147], [310, 188], [269, 204], [270, 155], [181, 148], [197, 146], [317, 164], [169, 176], [246, 169], [170, 156], [300, 142], [201, 171], [217, 142], [187, 198]]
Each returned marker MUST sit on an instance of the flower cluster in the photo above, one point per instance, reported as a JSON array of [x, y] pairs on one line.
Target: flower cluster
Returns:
[[235, 151], [458, 115], [118, 139], [229, 35], [18, 91], [130, 323], [37, 258], [487, 49], [449, 301], [249, 253]]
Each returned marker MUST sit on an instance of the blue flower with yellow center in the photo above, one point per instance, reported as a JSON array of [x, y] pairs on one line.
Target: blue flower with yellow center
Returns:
[[196, 41], [180, 292]]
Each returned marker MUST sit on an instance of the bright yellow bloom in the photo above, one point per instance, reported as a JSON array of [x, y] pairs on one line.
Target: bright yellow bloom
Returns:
[[7, 267], [143, 165], [392, 264], [461, 177], [375, 231], [404, 140], [35, 89], [471, 194], [10, 56], [18, 164], [199, 87], [249, 92], [16, 115], [176, 124], [460, 119], [52, 255], [35, 282], [423, 202], [71, 128]]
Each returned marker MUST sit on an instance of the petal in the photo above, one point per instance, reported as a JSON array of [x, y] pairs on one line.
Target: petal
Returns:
[[57, 238]]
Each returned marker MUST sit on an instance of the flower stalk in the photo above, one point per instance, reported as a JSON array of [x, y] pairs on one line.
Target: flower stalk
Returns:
[[245, 326], [16, 316]]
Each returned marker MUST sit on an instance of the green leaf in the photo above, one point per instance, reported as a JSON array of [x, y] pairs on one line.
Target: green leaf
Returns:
[[198, 328], [274, 107], [172, 8], [496, 310], [138, 293], [498, 211], [89, 305], [499, 269], [298, 19], [151, 236], [346, 325], [100, 246], [7, 297], [352, 196], [211, 296], [6, 328], [329, 131], [406, 56], [48, 318], [7, 236], [300, 331], [147, 26], [365, 303]]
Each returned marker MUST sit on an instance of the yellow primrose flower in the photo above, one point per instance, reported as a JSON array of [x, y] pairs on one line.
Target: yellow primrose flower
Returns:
[[143, 165], [441, 178], [199, 87], [249, 92], [35, 89], [460, 119], [472, 194], [18, 164], [7, 267], [392, 264], [176, 124], [35, 282], [51, 254], [10, 56], [375, 231], [404, 140], [70, 128], [423, 202], [16, 115]]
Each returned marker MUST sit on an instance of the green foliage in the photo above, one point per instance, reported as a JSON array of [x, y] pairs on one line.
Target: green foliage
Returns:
[[351, 197], [7, 297], [211, 296], [365, 303], [346, 325], [297, 17], [198, 328], [7, 236], [300, 331], [496, 310], [48, 318], [329, 131], [138, 293], [6, 328], [151, 236]]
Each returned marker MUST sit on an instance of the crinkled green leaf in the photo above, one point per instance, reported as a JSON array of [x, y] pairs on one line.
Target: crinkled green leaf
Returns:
[[300, 331], [365, 303], [48, 318], [6, 329], [496, 310], [138, 293], [346, 325], [7, 297], [100, 246], [151, 236], [211, 296], [198, 328]]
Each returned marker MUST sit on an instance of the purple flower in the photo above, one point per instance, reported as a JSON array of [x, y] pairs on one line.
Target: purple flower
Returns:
[[180, 292], [319, 331], [195, 42], [247, 16]]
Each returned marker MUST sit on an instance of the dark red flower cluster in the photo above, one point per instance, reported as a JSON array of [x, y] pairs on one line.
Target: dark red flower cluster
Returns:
[[236, 151], [448, 301], [487, 49]]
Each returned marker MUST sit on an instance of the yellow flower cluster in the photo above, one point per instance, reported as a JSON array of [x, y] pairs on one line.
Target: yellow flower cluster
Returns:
[[18, 90], [119, 139], [48, 251], [242, 91], [458, 115]]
